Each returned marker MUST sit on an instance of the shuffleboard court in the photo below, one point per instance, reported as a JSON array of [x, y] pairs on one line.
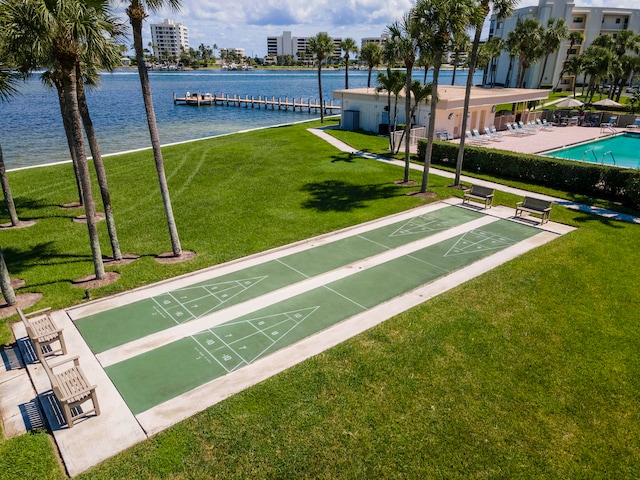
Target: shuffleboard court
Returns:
[[153, 377], [105, 330]]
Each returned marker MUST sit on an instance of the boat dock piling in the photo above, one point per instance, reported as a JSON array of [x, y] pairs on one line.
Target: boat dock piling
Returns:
[[222, 99]]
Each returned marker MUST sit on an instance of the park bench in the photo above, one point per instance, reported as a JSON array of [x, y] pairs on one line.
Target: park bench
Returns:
[[43, 333], [479, 194], [72, 390], [535, 206]]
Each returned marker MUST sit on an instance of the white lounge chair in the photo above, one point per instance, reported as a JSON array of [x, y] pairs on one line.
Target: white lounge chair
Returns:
[[480, 138], [495, 132], [544, 125], [520, 130], [471, 139], [494, 137], [526, 127], [635, 124]]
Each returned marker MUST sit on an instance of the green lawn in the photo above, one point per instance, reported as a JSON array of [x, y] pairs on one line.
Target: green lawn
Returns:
[[529, 371]]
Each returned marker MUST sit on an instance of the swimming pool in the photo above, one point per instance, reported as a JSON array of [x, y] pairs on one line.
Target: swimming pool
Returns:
[[621, 151]]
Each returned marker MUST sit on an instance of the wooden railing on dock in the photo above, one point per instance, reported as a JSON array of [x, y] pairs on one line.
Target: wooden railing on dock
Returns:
[[222, 99]]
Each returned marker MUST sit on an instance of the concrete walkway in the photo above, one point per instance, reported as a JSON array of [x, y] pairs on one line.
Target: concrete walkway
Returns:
[[609, 214]]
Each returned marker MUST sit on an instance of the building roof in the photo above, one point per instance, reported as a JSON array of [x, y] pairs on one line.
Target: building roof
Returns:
[[452, 97]]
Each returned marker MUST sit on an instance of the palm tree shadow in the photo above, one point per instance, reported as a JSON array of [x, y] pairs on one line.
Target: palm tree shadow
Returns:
[[18, 260], [339, 196]]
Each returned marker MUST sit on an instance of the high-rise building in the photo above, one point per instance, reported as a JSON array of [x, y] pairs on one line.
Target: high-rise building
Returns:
[[286, 44], [169, 39], [591, 22]]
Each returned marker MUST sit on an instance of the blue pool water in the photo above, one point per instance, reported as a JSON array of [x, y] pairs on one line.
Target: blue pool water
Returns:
[[621, 151]]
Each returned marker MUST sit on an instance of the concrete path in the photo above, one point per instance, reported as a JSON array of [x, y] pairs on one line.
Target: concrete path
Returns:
[[511, 145]]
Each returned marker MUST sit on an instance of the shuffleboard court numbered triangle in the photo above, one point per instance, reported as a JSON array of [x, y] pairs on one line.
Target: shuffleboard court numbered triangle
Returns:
[[479, 241], [421, 224]]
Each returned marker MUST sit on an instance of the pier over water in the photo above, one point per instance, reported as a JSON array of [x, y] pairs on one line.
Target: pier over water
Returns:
[[310, 106]]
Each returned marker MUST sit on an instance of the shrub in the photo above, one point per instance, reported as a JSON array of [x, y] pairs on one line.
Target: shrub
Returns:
[[578, 177]]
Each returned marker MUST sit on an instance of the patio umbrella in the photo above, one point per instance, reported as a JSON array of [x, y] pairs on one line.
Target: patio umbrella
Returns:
[[569, 102], [606, 102]]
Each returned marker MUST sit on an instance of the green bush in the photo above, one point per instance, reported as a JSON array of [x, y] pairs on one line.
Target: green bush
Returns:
[[578, 177]]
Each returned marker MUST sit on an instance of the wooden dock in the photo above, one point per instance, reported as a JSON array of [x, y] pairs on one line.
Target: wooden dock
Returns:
[[222, 99]]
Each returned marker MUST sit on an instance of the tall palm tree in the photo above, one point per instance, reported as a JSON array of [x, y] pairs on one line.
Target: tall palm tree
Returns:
[[491, 49], [575, 38], [438, 21], [461, 43], [573, 66], [404, 37], [529, 33], [8, 78], [137, 12], [371, 54], [348, 46], [54, 34], [479, 13], [552, 38], [392, 82], [8, 81], [321, 46]]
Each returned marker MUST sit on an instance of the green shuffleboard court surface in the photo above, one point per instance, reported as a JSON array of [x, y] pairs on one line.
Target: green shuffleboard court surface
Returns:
[[158, 375], [109, 329]]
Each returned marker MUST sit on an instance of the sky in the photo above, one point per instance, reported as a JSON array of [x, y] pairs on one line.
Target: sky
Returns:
[[247, 23]]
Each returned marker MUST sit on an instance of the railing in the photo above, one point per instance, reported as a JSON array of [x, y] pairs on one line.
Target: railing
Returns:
[[608, 153], [592, 153], [416, 134]]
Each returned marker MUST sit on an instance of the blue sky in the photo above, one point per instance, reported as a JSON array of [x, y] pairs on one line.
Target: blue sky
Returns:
[[247, 23]]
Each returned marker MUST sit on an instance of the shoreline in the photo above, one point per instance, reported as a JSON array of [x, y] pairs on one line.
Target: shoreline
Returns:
[[248, 130]]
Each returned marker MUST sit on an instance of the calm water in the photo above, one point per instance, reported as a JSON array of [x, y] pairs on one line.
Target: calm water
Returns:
[[31, 131], [621, 151]]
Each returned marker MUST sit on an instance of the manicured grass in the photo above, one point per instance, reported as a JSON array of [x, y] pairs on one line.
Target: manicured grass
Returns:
[[528, 371]]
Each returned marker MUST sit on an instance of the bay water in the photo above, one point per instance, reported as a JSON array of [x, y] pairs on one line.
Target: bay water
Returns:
[[31, 131]]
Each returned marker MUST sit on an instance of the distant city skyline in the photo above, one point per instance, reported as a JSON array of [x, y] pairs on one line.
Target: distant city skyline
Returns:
[[248, 25]]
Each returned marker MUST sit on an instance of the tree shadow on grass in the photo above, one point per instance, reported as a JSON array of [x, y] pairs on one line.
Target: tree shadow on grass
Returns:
[[43, 253], [339, 196]]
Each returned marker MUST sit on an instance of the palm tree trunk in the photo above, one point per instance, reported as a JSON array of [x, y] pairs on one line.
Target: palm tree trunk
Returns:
[[369, 77], [5, 282], [544, 67], [455, 69], [136, 24], [67, 131], [101, 174], [6, 191], [320, 90], [72, 113], [467, 100], [432, 122], [346, 72], [407, 124]]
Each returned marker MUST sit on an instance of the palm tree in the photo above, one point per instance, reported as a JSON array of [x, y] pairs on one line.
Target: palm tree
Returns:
[[404, 38], [8, 80], [39, 33], [348, 46], [503, 9], [552, 37], [371, 54], [529, 33], [5, 282], [322, 47], [461, 44], [137, 12], [438, 21], [491, 49], [572, 66], [392, 82], [575, 38]]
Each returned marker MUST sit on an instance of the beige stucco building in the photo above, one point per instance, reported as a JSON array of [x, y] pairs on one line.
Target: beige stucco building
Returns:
[[372, 115]]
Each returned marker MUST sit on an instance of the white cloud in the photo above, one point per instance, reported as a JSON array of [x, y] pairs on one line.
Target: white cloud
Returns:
[[248, 23]]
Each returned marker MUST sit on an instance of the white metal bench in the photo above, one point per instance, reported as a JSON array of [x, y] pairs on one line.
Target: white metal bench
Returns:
[[43, 333], [534, 206], [72, 390], [479, 194]]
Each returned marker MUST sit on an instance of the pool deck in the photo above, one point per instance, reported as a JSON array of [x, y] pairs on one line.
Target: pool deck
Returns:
[[546, 140]]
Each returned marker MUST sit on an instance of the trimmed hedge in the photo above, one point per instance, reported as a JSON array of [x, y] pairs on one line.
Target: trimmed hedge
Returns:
[[600, 181]]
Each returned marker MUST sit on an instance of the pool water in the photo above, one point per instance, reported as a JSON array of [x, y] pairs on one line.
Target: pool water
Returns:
[[621, 151]]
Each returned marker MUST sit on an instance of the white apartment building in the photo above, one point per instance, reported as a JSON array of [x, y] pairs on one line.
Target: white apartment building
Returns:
[[169, 39], [590, 21], [287, 44]]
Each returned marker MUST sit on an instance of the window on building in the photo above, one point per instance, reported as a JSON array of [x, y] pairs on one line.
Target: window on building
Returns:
[[617, 20], [578, 19]]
